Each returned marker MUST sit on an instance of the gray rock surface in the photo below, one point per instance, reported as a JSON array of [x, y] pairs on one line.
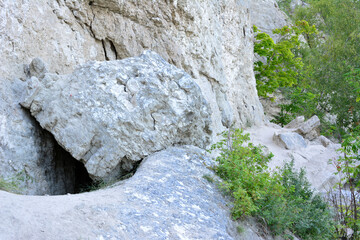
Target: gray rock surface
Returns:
[[314, 158], [167, 198], [289, 140], [28, 155], [325, 141], [211, 40], [310, 128], [295, 123], [112, 114], [267, 16]]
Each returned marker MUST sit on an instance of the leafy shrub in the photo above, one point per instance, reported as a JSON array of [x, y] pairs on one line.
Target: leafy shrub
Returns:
[[345, 197], [243, 171], [301, 102], [281, 199], [281, 66]]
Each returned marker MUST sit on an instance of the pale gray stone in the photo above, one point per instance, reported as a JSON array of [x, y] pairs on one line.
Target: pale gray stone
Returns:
[[109, 115], [37, 68], [325, 141], [267, 16], [29, 155], [167, 198], [289, 140], [211, 40], [296, 122], [309, 129]]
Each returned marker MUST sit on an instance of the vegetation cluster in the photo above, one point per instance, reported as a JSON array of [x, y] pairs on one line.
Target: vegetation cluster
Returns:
[[281, 199], [322, 76], [315, 64]]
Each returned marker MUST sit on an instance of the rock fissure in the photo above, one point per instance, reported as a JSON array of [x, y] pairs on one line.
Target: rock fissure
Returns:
[[105, 52]]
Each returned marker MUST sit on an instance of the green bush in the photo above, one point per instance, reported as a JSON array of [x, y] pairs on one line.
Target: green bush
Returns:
[[282, 65], [345, 198], [301, 102], [281, 200], [9, 185]]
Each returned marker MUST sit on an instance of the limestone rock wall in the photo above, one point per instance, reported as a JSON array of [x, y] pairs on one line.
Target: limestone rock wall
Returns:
[[211, 40], [266, 15]]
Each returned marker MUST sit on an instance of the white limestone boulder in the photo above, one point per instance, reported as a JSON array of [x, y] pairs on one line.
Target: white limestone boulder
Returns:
[[289, 140], [109, 115]]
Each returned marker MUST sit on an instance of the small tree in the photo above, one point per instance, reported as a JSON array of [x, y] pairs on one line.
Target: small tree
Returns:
[[345, 198], [281, 65]]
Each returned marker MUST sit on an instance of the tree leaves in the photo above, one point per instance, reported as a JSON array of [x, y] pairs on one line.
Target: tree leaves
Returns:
[[279, 65]]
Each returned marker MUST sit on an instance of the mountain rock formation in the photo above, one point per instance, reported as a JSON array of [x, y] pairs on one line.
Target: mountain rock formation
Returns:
[[212, 41], [76, 105], [110, 115]]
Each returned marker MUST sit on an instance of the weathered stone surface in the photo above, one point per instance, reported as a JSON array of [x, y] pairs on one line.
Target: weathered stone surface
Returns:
[[296, 122], [211, 40], [111, 114], [29, 155], [325, 141], [45, 29], [289, 140], [167, 198], [309, 129], [267, 16], [314, 158], [30, 29]]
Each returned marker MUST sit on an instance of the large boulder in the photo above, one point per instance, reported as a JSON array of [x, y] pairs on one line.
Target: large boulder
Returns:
[[167, 198], [289, 140], [109, 115], [211, 40], [310, 128]]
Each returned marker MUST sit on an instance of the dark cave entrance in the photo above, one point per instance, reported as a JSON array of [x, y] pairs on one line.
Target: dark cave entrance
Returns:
[[59, 171], [71, 175]]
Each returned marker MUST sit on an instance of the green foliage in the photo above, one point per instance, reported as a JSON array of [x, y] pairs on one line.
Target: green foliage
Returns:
[[281, 66], [243, 171], [333, 59], [209, 178], [312, 218], [300, 102], [9, 185], [353, 78], [347, 205], [282, 199], [284, 5]]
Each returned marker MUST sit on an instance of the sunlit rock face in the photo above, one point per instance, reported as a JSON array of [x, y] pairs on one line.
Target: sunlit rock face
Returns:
[[111, 114]]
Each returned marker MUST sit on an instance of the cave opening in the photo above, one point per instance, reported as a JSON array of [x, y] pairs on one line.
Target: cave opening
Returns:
[[59, 173], [68, 174]]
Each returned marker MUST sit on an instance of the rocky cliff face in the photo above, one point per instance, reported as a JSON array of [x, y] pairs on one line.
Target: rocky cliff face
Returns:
[[212, 41], [266, 15]]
